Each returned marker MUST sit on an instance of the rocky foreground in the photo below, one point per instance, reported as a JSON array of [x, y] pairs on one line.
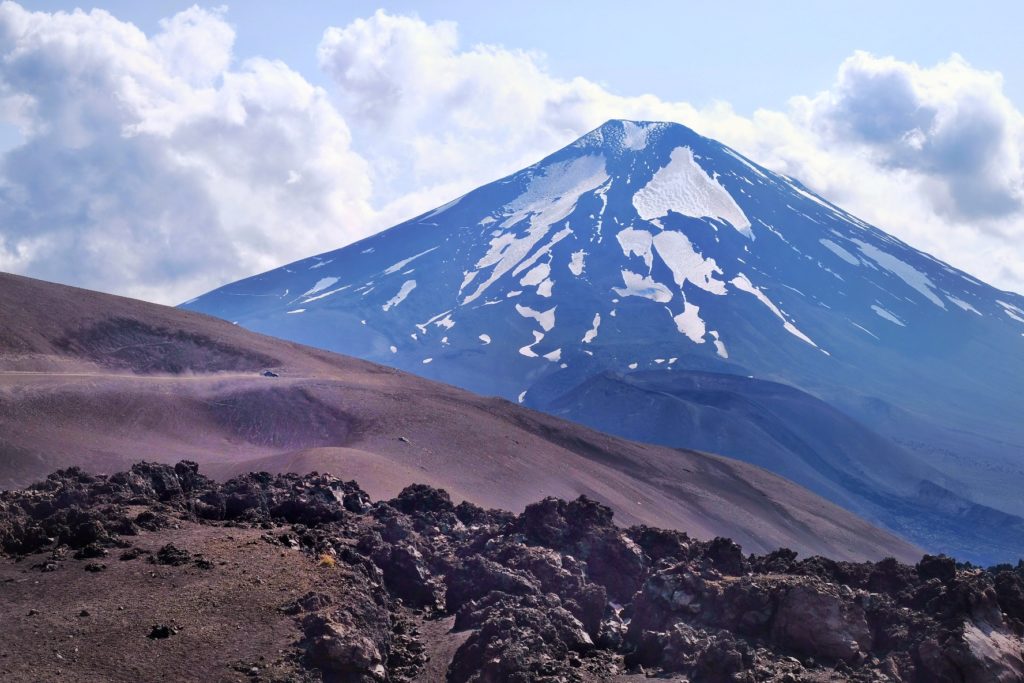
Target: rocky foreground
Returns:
[[160, 572]]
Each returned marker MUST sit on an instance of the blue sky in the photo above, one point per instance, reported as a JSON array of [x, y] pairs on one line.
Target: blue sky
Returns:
[[163, 149], [751, 54]]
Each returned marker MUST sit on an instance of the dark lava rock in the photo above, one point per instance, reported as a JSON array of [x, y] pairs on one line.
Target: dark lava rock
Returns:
[[339, 648], [476, 577], [469, 514], [408, 575], [133, 554], [583, 528], [816, 620], [351, 641], [171, 555], [161, 631], [418, 499], [937, 567], [726, 557], [521, 640], [310, 602], [90, 552], [557, 593]]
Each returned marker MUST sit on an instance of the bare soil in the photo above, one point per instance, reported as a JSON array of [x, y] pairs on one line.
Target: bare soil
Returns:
[[102, 381]]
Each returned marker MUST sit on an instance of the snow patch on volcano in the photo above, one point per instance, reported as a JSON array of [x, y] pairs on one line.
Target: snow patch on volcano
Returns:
[[543, 251], [398, 298], [886, 315], [637, 243], [690, 323], [904, 271], [962, 304], [1012, 311], [591, 334], [634, 135], [686, 263], [643, 286], [683, 186], [743, 284], [554, 356], [549, 198], [536, 275], [546, 319], [840, 252], [528, 349], [576, 264], [321, 284], [324, 295], [443, 319], [719, 345], [402, 264]]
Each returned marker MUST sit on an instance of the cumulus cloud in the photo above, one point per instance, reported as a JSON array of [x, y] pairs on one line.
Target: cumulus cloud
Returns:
[[437, 119], [153, 166], [159, 166], [950, 123], [932, 155]]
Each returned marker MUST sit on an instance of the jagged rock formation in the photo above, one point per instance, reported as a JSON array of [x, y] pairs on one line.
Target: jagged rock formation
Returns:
[[418, 588]]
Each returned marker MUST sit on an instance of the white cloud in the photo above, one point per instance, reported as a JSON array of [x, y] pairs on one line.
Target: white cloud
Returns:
[[431, 114], [158, 166], [950, 123], [153, 167], [932, 155], [193, 47]]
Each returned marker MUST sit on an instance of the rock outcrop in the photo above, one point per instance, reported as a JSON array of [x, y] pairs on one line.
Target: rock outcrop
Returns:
[[557, 593]]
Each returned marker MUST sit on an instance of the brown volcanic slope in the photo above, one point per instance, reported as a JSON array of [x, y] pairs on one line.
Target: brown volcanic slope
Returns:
[[103, 381]]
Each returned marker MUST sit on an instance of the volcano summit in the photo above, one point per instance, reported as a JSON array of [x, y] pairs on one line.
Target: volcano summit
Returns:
[[656, 284]]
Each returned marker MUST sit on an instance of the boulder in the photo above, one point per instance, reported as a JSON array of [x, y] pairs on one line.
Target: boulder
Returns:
[[338, 649], [814, 620]]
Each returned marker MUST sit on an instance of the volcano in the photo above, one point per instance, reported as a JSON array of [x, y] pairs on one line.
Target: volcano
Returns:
[[656, 284]]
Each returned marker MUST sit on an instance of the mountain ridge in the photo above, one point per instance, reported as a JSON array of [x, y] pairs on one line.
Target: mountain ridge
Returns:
[[148, 381], [649, 248]]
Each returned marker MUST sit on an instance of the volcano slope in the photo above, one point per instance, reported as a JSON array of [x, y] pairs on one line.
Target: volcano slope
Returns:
[[100, 381], [160, 573], [639, 260]]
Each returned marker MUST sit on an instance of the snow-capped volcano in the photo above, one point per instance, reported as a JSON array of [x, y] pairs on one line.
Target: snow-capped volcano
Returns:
[[644, 252]]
